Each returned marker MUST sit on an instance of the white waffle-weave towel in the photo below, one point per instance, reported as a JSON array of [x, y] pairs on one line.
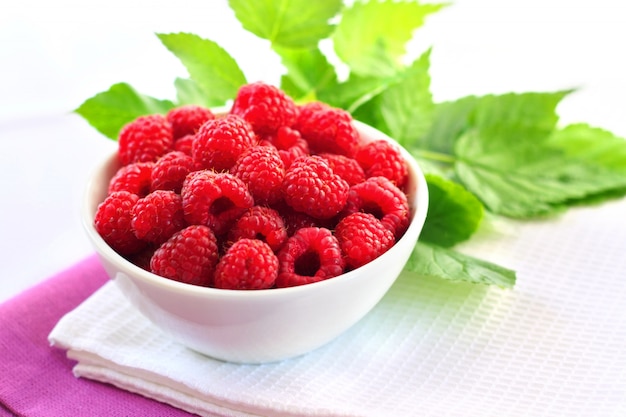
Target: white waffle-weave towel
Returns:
[[553, 346]]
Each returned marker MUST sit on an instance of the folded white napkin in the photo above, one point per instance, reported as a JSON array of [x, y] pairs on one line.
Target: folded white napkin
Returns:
[[553, 346]]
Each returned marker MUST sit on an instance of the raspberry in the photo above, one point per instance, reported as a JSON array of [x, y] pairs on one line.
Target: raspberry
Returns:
[[265, 107], [187, 119], [135, 178], [304, 112], [261, 223], [289, 143], [381, 158], [142, 258], [292, 154], [184, 144], [284, 138], [170, 171], [331, 131], [219, 142], [347, 168], [311, 187], [362, 238], [158, 216], [312, 254], [295, 220], [145, 139], [214, 199], [249, 264], [189, 256], [262, 170], [381, 198], [112, 221]]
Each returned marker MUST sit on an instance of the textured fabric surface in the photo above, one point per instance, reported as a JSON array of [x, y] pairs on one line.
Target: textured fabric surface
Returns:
[[37, 380], [553, 346]]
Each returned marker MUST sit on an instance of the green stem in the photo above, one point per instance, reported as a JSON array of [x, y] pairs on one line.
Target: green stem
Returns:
[[434, 156]]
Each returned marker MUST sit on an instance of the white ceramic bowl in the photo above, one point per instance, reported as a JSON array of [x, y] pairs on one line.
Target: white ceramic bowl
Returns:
[[261, 325]]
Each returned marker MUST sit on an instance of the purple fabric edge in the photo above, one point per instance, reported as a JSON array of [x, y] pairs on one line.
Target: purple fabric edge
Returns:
[[37, 379]]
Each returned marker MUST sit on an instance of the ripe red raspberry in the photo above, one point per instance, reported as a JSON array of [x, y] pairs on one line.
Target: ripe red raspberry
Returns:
[[347, 168], [184, 144], [261, 223], [249, 264], [135, 178], [381, 198], [312, 254], [286, 137], [142, 258], [112, 221], [262, 170], [187, 119], [170, 171], [362, 238], [145, 139], [331, 131], [265, 107], [293, 153], [304, 112], [295, 220], [219, 142], [214, 199], [158, 216], [381, 158], [311, 187], [289, 143], [189, 256]]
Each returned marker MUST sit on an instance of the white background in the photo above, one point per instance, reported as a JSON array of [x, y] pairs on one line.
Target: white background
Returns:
[[54, 55]]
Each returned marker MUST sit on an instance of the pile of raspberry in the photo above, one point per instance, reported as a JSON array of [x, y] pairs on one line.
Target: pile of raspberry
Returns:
[[271, 194]]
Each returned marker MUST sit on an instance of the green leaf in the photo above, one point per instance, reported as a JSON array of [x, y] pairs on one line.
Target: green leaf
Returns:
[[438, 262], [454, 214], [369, 112], [527, 111], [450, 119], [189, 92], [400, 106], [289, 23], [110, 110], [308, 72], [593, 145], [209, 65], [523, 177], [407, 106], [355, 91], [520, 114], [371, 36]]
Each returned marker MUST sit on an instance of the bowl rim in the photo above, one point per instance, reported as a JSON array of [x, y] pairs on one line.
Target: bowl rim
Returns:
[[419, 203]]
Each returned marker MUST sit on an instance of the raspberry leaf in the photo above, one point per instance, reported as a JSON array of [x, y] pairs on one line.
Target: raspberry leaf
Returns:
[[454, 213], [450, 119], [189, 92], [209, 65], [355, 91], [287, 23], [439, 262], [309, 73], [371, 36], [522, 177], [525, 114], [407, 106], [594, 145], [401, 105], [110, 110]]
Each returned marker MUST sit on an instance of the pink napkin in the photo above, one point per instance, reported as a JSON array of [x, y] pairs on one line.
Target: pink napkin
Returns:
[[37, 380]]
